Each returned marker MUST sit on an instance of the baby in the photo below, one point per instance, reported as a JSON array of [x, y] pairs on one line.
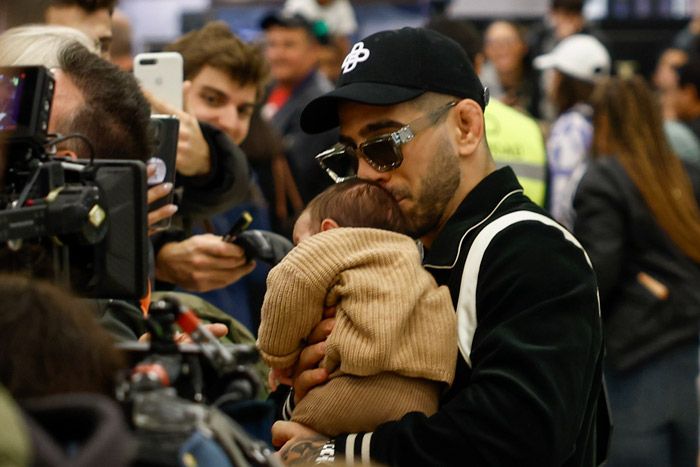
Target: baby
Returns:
[[394, 345]]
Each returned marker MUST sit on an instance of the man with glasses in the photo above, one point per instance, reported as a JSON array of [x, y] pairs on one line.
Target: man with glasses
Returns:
[[528, 374]]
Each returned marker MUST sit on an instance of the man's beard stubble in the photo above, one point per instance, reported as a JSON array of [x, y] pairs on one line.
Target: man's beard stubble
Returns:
[[437, 188]]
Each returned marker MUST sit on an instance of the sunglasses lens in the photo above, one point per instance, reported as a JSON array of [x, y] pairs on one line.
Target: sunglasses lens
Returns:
[[342, 163], [382, 155]]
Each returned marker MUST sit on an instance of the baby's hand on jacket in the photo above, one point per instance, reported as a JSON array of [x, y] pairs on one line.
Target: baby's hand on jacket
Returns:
[[279, 376]]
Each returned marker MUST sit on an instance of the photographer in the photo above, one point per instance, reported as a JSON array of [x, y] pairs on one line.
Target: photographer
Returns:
[[62, 372], [213, 172], [68, 352], [92, 97], [223, 82], [76, 99], [105, 105]]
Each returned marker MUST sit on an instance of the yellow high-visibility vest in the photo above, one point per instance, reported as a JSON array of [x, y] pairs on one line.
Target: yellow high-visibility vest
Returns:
[[516, 140]]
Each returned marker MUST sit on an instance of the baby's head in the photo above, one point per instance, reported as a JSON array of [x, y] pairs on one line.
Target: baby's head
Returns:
[[354, 203]]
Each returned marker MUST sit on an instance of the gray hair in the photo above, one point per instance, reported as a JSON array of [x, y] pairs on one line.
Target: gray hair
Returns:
[[39, 44]]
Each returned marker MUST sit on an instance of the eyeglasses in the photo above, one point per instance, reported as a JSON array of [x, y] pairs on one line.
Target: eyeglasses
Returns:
[[382, 153]]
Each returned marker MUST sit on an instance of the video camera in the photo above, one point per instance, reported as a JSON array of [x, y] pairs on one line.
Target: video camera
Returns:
[[175, 389], [89, 214]]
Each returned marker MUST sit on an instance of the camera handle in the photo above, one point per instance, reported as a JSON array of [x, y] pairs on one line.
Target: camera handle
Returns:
[[70, 211]]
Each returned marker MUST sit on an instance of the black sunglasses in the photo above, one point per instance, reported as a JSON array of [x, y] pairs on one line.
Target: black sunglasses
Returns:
[[382, 153]]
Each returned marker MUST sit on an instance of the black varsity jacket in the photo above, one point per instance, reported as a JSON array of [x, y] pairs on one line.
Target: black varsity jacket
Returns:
[[529, 368]]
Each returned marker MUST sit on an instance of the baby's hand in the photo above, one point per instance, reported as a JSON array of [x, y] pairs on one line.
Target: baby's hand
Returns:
[[283, 375], [279, 376]]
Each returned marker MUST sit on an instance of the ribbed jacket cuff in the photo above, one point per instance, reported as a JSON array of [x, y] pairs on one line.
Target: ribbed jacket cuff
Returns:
[[355, 447]]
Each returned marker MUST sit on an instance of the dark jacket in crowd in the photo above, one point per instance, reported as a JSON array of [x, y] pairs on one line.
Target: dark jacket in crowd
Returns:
[[528, 379], [300, 147], [226, 185], [627, 246]]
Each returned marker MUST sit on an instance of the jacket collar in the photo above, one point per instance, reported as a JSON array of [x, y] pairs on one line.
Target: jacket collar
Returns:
[[477, 207]]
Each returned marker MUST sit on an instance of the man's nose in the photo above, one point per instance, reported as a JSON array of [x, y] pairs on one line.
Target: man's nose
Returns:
[[273, 52], [230, 121], [367, 172]]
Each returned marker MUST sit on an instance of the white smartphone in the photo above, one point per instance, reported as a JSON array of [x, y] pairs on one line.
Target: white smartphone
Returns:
[[161, 74]]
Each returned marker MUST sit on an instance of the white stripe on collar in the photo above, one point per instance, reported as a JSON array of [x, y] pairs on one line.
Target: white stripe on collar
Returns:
[[433, 266]]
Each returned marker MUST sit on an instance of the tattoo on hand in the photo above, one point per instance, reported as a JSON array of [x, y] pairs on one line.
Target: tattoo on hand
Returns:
[[304, 451]]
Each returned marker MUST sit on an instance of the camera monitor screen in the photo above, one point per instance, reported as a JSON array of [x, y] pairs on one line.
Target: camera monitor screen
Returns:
[[26, 94], [11, 88]]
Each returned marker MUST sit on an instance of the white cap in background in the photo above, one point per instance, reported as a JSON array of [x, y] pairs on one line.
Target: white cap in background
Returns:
[[581, 56]]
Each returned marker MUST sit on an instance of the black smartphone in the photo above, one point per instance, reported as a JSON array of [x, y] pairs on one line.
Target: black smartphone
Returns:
[[242, 223], [165, 129]]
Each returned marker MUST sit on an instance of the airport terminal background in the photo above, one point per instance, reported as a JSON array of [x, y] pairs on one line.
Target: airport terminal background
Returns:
[[636, 30], [636, 33]]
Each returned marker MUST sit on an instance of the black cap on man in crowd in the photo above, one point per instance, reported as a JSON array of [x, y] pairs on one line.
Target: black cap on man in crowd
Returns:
[[391, 67], [317, 30]]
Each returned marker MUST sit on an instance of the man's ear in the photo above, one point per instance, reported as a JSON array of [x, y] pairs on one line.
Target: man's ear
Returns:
[[328, 223], [66, 153], [470, 126], [479, 60]]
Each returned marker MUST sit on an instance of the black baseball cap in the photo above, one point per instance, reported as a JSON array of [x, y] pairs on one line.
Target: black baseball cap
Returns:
[[391, 67]]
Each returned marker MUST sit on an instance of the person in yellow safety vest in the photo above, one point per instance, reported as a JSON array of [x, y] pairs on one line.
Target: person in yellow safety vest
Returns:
[[516, 140]]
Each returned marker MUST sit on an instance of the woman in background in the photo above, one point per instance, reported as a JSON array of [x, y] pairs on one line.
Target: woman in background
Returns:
[[572, 69], [508, 72], [637, 215]]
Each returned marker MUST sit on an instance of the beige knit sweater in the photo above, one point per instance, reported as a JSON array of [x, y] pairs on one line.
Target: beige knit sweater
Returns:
[[394, 325]]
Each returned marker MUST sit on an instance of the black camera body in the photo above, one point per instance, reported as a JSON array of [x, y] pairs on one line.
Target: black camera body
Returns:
[[172, 390], [26, 94], [91, 214], [25, 101]]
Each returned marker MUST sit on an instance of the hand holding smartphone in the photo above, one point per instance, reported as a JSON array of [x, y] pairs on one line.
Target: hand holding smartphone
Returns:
[[257, 244], [242, 223], [161, 77], [165, 130]]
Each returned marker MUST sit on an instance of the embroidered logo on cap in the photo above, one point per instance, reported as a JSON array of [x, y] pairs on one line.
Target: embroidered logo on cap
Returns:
[[357, 54]]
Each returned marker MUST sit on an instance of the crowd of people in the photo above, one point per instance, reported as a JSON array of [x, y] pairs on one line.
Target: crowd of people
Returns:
[[494, 243]]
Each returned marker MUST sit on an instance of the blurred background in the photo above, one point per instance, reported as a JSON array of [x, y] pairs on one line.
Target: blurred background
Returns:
[[636, 31]]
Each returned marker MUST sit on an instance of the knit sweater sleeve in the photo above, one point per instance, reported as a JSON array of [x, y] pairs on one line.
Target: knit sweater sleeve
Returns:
[[391, 316], [293, 304]]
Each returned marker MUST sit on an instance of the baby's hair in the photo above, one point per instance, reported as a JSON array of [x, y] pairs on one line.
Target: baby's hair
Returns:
[[359, 203]]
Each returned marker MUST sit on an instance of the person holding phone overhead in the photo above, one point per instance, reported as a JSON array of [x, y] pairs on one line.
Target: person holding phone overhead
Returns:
[[223, 79]]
